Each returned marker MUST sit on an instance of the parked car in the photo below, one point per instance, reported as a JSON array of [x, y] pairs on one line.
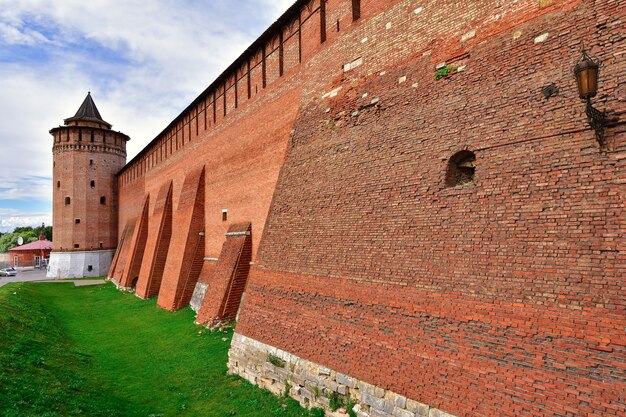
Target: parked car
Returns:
[[8, 272]]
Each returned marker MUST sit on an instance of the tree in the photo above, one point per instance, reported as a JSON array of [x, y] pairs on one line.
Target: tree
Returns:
[[9, 240], [44, 230]]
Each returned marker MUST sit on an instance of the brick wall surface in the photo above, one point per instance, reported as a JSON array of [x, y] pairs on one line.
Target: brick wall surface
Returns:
[[87, 220], [26, 258], [137, 247], [503, 296], [157, 245], [182, 268], [229, 277], [242, 170], [118, 263]]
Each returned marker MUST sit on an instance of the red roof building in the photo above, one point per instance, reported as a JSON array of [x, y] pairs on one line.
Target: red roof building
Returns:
[[31, 255]]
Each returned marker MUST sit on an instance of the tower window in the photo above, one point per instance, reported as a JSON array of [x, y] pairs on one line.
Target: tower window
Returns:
[[80, 134], [76, 221], [67, 201], [76, 246], [58, 184], [356, 9], [103, 200], [224, 215], [92, 183], [101, 245], [89, 268], [461, 168], [92, 135], [91, 162]]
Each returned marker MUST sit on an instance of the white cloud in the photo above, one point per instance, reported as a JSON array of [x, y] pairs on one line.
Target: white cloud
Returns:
[[26, 188], [167, 52], [144, 62], [10, 219], [13, 35]]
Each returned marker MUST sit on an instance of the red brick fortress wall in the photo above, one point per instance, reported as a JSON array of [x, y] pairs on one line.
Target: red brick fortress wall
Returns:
[[241, 157], [499, 297], [237, 131], [331, 143]]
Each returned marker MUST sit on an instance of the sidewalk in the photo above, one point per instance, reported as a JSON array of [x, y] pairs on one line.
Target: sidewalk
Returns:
[[39, 275]]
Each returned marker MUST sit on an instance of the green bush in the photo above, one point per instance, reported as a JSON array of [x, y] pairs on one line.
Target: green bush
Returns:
[[335, 401], [317, 412]]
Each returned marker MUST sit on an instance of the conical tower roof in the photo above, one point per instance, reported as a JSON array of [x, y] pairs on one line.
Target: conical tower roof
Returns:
[[88, 112]]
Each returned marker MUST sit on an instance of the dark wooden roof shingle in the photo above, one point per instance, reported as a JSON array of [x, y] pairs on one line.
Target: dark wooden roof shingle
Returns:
[[88, 112]]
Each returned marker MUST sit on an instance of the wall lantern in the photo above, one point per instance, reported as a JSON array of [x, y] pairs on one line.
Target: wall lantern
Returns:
[[586, 73]]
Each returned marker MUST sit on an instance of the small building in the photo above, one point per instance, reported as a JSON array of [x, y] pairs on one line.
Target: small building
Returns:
[[31, 255]]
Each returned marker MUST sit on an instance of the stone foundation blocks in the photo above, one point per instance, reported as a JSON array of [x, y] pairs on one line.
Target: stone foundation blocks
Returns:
[[313, 385]]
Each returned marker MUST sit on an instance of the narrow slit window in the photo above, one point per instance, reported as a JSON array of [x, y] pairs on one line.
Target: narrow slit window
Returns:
[[103, 200], [224, 215], [67, 201], [58, 184], [92, 183], [356, 9]]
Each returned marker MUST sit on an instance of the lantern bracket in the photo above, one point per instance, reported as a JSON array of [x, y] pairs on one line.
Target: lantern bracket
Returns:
[[586, 73], [597, 121]]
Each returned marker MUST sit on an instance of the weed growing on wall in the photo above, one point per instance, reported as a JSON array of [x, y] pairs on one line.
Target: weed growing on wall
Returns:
[[445, 71], [276, 361]]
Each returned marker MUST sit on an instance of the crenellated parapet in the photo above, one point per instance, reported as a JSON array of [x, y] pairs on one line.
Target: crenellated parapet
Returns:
[[88, 139]]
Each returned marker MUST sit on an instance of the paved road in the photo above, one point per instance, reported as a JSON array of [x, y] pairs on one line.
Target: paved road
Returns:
[[39, 275], [25, 276]]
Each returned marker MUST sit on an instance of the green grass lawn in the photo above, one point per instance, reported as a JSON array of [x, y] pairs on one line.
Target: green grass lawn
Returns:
[[95, 351]]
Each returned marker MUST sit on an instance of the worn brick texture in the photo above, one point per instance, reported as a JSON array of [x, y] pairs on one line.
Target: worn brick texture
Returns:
[[502, 296], [182, 267], [118, 263], [228, 279], [88, 220], [137, 246], [158, 241], [26, 258]]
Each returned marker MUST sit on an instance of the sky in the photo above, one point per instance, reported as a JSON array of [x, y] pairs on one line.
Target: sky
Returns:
[[143, 61]]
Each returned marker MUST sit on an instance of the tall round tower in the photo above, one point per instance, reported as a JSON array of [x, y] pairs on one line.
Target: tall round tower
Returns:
[[87, 154]]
